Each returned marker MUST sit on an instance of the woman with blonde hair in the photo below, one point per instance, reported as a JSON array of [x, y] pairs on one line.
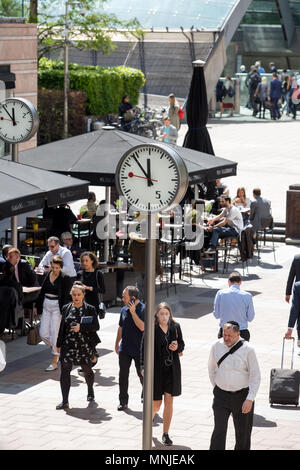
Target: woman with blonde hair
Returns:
[[168, 346]]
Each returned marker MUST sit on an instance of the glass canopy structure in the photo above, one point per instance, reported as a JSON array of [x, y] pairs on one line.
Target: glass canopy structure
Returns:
[[173, 14]]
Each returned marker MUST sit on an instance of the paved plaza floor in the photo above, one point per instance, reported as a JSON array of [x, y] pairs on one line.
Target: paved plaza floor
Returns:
[[268, 157]]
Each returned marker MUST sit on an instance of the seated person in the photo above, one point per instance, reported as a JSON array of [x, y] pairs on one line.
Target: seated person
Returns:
[[68, 242], [168, 132], [240, 199], [64, 253], [3, 258], [222, 189], [242, 202], [260, 211], [228, 224], [126, 112]]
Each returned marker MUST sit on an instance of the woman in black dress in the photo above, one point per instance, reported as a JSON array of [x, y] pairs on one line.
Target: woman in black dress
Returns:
[[92, 279], [168, 345], [76, 342]]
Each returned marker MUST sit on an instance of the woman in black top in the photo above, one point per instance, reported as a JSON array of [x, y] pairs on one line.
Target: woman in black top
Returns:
[[92, 279], [76, 342], [54, 294], [168, 345]]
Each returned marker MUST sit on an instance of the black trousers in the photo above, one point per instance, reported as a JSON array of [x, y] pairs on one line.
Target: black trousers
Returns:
[[124, 364], [65, 379], [245, 334], [225, 404]]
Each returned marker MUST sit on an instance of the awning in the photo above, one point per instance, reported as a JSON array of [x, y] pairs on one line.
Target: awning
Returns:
[[94, 157], [24, 188]]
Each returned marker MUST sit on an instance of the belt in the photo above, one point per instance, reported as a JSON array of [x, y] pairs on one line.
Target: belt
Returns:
[[233, 393], [50, 297]]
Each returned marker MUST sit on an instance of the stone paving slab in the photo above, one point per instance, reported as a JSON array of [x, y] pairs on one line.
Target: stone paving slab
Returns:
[[29, 395]]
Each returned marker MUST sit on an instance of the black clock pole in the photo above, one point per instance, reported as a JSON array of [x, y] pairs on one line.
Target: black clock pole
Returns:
[[14, 219], [149, 333]]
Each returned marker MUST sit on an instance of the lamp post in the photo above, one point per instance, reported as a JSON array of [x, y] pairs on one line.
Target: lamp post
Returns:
[[66, 74]]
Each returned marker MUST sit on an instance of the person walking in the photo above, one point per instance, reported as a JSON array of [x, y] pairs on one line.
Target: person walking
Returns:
[[173, 111], [294, 275], [168, 345], [92, 279], [236, 304], [294, 313], [235, 375], [262, 94], [275, 95], [128, 340], [54, 294], [76, 342]]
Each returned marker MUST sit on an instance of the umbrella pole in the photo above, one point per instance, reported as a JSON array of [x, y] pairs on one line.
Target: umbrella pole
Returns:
[[14, 219], [106, 241]]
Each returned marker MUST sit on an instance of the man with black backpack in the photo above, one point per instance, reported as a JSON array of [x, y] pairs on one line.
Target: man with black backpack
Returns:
[[254, 80]]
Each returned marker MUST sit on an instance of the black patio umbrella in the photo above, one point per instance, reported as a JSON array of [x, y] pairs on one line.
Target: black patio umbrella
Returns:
[[197, 136], [94, 157], [25, 189]]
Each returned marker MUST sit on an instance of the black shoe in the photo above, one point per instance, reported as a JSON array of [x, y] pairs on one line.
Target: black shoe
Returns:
[[90, 397], [166, 440], [122, 407], [63, 406]]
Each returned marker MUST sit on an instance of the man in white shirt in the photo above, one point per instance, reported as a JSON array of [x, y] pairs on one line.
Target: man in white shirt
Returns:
[[236, 381], [65, 253], [228, 224]]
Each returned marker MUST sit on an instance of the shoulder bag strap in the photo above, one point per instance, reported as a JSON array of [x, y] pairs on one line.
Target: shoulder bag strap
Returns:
[[231, 351]]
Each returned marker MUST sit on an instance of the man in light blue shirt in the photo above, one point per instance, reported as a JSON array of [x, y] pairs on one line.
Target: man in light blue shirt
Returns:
[[233, 303]]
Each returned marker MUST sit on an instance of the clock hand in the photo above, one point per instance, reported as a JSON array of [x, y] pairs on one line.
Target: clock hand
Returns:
[[14, 120], [7, 113], [142, 170], [131, 175], [149, 171]]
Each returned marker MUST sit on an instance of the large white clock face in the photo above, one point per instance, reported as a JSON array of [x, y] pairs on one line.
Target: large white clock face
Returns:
[[149, 178], [18, 120]]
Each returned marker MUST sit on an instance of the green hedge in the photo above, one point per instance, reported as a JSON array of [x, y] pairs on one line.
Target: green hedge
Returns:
[[104, 86]]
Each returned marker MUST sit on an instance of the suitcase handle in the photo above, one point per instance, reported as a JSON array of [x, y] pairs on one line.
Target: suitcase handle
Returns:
[[292, 361]]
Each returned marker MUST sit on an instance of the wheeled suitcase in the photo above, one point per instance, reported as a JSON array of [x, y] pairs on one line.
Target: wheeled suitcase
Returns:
[[284, 383]]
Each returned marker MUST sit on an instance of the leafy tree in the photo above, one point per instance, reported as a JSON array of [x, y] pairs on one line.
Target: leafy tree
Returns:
[[91, 31], [10, 8]]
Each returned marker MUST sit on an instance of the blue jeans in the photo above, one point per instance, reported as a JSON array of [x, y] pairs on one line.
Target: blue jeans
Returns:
[[222, 232]]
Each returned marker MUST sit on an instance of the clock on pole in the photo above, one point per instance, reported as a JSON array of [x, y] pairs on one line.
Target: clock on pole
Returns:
[[152, 178], [19, 122]]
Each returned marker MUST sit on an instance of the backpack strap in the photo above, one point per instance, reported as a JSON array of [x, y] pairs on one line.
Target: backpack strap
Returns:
[[231, 351]]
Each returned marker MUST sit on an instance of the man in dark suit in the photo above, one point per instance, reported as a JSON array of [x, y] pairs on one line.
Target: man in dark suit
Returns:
[[294, 313], [24, 273], [275, 95], [294, 275], [260, 211]]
